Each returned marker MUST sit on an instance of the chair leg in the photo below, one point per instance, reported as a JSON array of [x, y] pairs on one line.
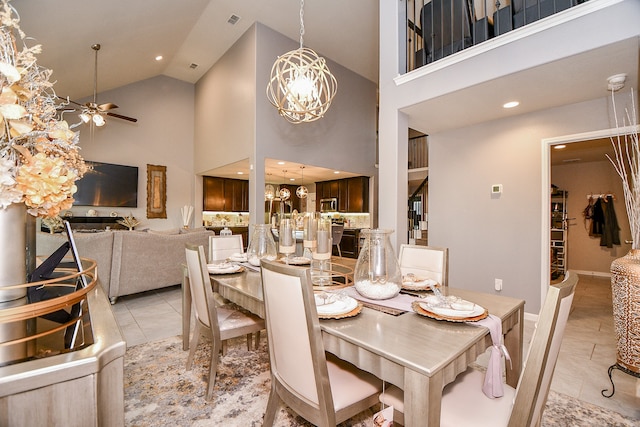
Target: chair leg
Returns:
[[224, 347], [272, 409], [213, 368], [193, 344], [249, 339], [257, 340], [339, 252]]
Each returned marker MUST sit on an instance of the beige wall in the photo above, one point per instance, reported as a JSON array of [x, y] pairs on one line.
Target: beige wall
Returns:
[[584, 252]]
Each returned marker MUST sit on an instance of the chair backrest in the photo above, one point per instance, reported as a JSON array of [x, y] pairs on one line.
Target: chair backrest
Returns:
[[222, 247], [428, 262], [534, 383], [296, 351], [200, 285], [337, 230]]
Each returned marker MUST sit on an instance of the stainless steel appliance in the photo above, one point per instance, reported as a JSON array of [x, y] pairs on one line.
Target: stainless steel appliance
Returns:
[[329, 205]]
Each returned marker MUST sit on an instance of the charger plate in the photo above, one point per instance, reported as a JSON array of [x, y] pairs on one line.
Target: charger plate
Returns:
[[352, 313], [421, 311], [229, 270]]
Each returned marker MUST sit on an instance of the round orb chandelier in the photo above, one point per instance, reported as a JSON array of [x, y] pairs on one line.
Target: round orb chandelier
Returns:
[[284, 193], [302, 191], [301, 86]]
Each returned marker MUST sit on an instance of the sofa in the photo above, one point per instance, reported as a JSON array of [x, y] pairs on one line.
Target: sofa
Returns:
[[130, 262]]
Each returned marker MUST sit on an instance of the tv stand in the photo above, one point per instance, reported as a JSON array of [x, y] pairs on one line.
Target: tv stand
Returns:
[[95, 223]]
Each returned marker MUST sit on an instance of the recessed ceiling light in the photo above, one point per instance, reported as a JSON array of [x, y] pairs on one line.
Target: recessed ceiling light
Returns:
[[559, 146], [292, 179], [336, 172], [281, 163], [240, 173], [511, 104], [159, 58]]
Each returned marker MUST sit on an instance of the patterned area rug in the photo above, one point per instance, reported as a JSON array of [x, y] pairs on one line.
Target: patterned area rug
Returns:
[[159, 391]]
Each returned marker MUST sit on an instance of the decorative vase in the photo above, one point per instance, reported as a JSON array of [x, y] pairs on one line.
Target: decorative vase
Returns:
[[377, 274], [261, 245], [625, 290]]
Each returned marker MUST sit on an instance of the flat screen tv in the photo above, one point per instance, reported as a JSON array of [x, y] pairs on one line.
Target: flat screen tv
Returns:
[[106, 184]]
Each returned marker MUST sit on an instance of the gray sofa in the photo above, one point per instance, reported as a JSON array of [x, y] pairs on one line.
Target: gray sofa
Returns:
[[129, 262]]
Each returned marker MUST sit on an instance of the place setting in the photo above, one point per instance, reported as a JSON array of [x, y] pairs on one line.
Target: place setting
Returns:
[[336, 305], [224, 268], [449, 308]]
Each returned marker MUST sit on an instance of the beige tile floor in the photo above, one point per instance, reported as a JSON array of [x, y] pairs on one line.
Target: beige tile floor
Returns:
[[588, 348]]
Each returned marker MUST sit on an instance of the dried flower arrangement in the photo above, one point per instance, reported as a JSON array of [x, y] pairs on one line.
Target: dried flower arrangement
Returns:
[[627, 164], [129, 222], [39, 154]]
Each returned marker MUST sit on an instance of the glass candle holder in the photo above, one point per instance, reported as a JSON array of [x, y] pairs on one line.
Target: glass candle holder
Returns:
[[261, 245], [377, 274], [321, 264], [310, 233], [287, 238]]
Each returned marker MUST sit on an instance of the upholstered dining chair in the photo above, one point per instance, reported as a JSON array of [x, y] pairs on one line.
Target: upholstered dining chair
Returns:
[[522, 406], [222, 247], [319, 387], [337, 230], [428, 262], [218, 323]]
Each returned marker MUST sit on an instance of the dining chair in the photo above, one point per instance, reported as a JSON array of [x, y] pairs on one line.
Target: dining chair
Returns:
[[217, 323], [318, 386], [429, 262], [522, 406], [337, 230], [222, 247]]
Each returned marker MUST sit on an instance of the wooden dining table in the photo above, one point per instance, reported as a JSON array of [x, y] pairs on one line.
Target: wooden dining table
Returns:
[[418, 354]]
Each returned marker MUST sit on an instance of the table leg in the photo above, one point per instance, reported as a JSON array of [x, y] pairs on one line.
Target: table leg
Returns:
[[513, 341], [186, 309], [422, 399]]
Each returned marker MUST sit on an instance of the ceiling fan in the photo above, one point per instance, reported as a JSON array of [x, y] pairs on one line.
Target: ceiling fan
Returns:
[[94, 112]]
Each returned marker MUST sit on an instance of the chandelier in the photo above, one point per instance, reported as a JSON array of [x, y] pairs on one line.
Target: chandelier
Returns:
[[301, 86], [302, 191], [284, 192]]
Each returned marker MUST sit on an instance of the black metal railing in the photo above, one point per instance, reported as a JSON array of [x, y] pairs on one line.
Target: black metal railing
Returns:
[[438, 28]]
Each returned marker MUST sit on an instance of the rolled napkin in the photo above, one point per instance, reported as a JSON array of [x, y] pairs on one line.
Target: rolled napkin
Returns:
[[493, 386], [452, 306]]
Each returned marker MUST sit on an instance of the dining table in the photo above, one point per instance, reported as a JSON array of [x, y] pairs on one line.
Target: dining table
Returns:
[[416, 353]]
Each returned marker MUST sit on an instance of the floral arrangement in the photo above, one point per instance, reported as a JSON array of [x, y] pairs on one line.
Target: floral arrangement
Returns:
[[39, 154], [627, 164]]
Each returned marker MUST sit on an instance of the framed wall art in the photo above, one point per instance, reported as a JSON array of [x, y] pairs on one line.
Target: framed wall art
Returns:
[[156, 191]]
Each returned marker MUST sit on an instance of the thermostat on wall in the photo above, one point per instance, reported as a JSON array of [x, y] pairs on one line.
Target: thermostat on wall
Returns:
[[496, 189]]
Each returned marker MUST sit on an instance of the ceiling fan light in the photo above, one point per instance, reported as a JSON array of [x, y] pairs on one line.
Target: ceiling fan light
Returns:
[[85, 117], [98, 120]]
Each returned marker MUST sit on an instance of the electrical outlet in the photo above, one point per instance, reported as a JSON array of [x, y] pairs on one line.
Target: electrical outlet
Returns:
[[498, 284]]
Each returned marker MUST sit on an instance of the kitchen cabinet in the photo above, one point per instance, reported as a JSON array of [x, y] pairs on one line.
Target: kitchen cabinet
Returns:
[[352, 193], [225, 194]]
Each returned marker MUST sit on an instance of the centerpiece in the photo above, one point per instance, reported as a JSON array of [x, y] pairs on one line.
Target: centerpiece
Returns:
[[39, 152]]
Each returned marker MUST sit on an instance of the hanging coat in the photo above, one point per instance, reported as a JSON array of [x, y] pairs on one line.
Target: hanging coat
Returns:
[[611, 233], [597, 220]]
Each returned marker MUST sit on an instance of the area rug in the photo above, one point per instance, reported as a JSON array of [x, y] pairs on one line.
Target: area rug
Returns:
[[159, 391]]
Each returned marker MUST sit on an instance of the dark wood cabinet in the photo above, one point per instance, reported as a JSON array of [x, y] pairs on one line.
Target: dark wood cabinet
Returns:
[[225, 194], [352, 193], [349, 244]]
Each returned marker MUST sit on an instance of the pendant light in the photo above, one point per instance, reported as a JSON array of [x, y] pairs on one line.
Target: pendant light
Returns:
[[302, 191], [284, 192], [301, 86]]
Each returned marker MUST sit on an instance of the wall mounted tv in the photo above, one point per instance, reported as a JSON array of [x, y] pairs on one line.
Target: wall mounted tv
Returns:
[[106, 184]]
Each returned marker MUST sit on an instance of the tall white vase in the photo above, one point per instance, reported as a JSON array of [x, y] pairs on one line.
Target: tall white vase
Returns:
[[13, 251]]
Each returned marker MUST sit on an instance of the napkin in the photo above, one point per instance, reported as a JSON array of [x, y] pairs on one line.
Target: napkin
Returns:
[[493, 386]]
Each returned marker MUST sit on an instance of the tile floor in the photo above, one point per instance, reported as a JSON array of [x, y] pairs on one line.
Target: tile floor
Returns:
[[588, 348]]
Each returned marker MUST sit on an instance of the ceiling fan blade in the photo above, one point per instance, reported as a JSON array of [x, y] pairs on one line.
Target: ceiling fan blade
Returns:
[[107, 106], [120, 116]]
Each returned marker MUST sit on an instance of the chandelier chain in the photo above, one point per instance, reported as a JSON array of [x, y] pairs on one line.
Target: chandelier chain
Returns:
[[301, 23]]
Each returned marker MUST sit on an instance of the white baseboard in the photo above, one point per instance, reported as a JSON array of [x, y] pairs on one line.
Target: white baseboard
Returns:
[[593, 273], [530, 316]]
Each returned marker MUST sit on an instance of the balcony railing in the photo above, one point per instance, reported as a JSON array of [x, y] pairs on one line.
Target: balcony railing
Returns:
[[438, 28]]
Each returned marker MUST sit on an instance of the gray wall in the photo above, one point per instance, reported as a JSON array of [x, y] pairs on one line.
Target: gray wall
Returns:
[[163, 135]]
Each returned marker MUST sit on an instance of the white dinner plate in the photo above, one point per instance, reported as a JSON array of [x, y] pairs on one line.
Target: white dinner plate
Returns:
[[343, 305], [238, 258], [451, 312], [224, 268]]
